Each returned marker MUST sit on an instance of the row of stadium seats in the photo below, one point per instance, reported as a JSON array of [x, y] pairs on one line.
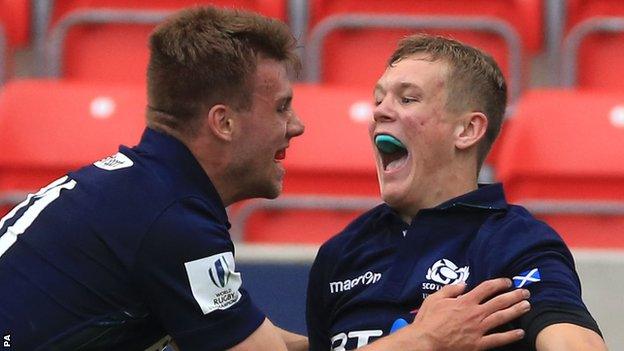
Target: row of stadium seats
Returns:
[[105, 40], [561, 156]]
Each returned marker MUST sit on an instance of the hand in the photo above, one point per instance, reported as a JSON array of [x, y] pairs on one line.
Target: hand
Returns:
[[450, 321]]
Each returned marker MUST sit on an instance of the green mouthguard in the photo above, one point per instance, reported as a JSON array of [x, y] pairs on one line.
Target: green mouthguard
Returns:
[[388, 144]]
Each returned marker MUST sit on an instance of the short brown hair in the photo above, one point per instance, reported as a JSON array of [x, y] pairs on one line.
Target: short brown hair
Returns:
[[474, 80], [206, 55]]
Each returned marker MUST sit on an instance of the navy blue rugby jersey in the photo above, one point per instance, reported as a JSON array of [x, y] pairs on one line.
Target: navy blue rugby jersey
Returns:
[[121, 253], [371, 279]]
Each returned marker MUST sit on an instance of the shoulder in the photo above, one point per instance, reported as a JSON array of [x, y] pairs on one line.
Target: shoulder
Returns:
[[516, 235], [360, 229], [189, 224], [125, 171], [136, 181], [517, 225], [123, 193]]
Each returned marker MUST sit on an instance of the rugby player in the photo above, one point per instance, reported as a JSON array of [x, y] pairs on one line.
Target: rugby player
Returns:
[[438, 109]]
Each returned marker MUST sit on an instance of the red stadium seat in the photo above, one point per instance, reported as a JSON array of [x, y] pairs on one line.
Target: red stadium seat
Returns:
[[107, 40], [3, 49], [356, 49], [335, 145], [562, 157], [330, 172], [48, 128], [273, 8], [15, 18], [14, 32], [594, 44]]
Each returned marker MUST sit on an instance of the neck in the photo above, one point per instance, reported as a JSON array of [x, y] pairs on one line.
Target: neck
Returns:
[[214, 163], [436, 198], [209, 156], [439, 188]]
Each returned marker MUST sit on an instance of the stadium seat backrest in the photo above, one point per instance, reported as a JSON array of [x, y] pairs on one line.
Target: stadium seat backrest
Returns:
[[273, 8], [333, 158], [14, 32], [15, 18], [600, 53], [358, 56], [580, 10], [48, 128], [565, 147], [565, 144], [3, 50], [335, 142], [118, 52]]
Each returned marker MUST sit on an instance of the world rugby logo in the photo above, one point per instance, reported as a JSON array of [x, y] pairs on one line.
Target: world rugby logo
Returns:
[[220, 273], [214, 281], [446, 272]]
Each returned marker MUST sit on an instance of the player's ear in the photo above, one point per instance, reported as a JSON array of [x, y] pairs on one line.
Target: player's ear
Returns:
[[470, 129], [220, 121]]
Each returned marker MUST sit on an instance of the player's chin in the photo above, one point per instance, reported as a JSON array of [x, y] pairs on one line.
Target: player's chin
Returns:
[[274, 193], [271, 189], [277, 182], [393, 196]]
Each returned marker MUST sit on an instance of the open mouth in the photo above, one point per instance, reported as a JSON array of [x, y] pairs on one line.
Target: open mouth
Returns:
[[392, 151], [280, 155]]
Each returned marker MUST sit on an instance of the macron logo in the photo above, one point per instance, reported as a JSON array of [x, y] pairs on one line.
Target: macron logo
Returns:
[[367, 278]]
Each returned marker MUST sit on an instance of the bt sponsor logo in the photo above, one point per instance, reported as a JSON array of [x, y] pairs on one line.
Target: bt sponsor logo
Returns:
[[363, 337]]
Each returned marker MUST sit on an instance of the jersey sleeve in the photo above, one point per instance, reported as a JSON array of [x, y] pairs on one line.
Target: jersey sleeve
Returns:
[[535, 257], [317, 318], [186, 269]]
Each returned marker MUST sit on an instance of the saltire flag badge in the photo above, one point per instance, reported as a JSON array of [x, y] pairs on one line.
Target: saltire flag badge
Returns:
[[527, 278]]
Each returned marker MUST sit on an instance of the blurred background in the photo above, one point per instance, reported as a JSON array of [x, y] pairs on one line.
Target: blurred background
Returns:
[[72, 76]]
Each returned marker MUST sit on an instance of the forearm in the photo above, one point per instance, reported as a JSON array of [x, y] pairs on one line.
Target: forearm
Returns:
[[293, 341], [568, 337], [401, 340]]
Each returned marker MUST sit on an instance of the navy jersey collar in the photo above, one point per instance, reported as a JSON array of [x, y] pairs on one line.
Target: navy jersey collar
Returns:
[[486, 197], [178, 156]]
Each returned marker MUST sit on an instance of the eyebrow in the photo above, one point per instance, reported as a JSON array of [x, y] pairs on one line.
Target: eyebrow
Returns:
[[401, 86], [408, 85], [284, 98], [288, 94]]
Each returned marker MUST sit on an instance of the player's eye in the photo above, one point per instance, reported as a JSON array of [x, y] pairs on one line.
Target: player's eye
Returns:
[[407, 100], [377, 100], [284, 107]]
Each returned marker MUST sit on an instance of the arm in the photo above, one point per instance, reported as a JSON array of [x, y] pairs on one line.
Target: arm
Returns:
[[454, 322], [187, 269], [269, 337], [294, 342], [265, 338], [568, 337]]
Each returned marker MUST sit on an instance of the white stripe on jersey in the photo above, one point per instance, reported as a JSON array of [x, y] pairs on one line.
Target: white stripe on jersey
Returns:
[[44, 197]]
